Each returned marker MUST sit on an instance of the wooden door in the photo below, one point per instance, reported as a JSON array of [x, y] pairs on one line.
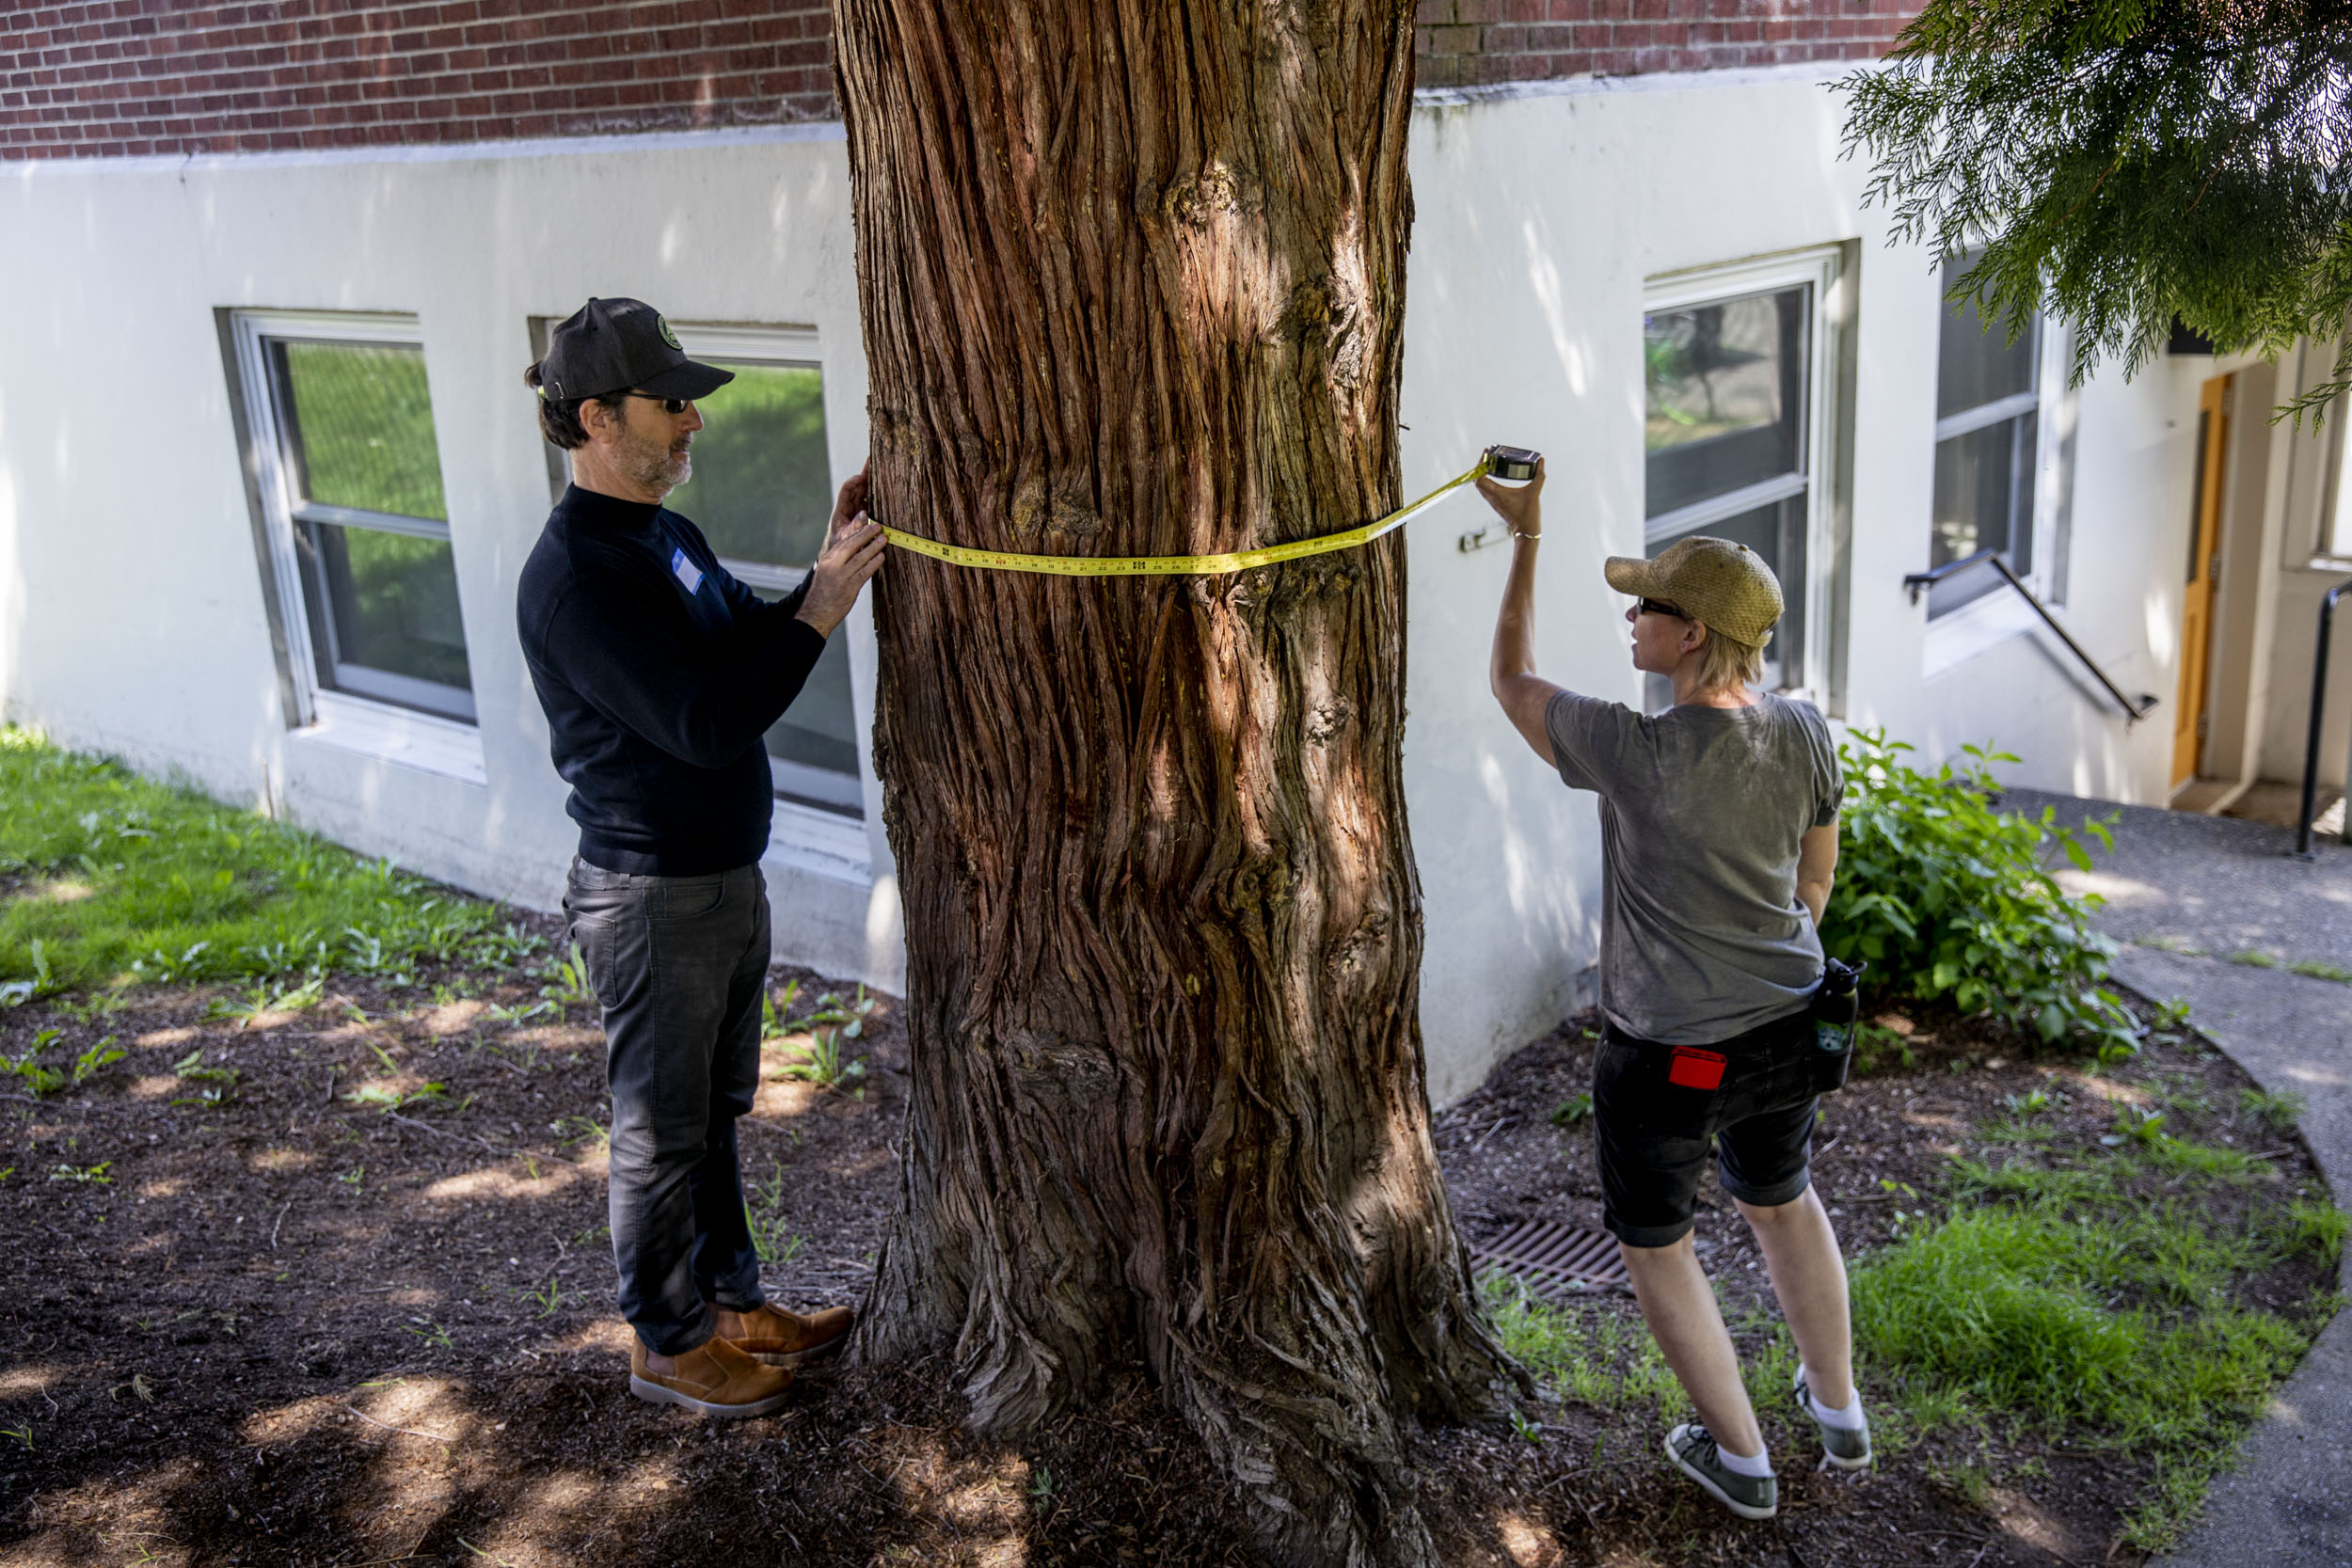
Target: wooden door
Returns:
[[2204, 555]]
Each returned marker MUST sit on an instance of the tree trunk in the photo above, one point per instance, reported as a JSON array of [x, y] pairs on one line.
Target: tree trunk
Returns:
[[1132, 279]]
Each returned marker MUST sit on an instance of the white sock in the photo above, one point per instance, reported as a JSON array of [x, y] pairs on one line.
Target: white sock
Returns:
[[1846, 1419], [1758, 1465]]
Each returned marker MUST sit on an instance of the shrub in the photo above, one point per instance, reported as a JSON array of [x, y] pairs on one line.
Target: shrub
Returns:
[[1948, 899]]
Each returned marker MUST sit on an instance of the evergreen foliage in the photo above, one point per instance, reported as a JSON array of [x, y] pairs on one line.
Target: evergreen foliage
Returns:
[[2126, 163]]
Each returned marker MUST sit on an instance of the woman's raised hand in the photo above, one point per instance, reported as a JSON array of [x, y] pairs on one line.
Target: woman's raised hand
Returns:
[[1519, 506]]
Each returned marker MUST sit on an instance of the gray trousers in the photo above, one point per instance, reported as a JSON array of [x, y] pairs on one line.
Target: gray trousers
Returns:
[[679, 963]]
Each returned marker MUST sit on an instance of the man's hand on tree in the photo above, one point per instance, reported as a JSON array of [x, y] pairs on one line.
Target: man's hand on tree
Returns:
[[852, 554]]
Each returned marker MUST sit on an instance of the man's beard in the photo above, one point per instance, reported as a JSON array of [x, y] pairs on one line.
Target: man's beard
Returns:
[[653, 465]]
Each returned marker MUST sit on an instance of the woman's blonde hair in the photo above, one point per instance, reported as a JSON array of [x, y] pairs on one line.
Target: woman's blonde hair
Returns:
[[1728, 665]]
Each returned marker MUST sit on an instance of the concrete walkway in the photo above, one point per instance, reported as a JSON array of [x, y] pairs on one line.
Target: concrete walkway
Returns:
[[2186, 893]]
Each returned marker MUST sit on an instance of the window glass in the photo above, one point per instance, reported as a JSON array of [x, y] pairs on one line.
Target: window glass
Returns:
[[1727, 391], [1988, 428], [1977, 364], [761, 486], [360, 427], [356, 435], [761, 493], [1726, 396], [394, 597], [1983, 486]]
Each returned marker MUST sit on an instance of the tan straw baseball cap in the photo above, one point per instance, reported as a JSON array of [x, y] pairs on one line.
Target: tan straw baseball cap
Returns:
[[1715, 581]]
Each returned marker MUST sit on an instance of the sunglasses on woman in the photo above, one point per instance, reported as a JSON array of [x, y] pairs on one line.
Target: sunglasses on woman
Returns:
[[1654, 607], [669, 406]]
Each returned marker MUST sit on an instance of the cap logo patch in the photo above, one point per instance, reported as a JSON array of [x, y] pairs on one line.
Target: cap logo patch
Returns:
[[662, 324]]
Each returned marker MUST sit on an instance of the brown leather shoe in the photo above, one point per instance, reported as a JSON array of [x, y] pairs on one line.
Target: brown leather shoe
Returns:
[[713, 1379], [783, 1338]]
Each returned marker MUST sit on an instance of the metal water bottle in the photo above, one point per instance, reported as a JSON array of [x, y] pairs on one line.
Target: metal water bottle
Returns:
[[1836, 1004]]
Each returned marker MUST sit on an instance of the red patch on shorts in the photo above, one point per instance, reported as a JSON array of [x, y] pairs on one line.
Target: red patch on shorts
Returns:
[[1693, 1069]]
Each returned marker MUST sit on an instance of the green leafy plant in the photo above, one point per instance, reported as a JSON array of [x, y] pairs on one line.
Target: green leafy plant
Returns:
[[215, 1085], [41, 1080], [832, 1010], [97, 1059], [763, 1211], [431, 1332], [572, 1131], [2281, 1111], [774, 1009], [1948, 899], [15, 993], [2031, 1103], [244, 1007], [821, 1062], [1569, 1112], [96, 1174], [552, 1297], [568, 982], [1876, 1046]]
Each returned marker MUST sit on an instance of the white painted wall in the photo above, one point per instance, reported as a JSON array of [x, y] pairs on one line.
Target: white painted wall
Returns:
[[1539, 218], [131, 615], [131, 619]]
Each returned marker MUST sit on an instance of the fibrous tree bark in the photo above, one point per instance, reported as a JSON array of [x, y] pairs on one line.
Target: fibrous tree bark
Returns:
[[1132, 279]]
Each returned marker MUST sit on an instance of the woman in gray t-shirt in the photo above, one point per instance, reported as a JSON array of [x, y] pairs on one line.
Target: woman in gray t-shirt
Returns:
[[1718, 843]]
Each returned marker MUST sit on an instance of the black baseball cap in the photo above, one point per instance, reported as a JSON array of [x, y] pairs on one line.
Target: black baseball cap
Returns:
[[613, 345]]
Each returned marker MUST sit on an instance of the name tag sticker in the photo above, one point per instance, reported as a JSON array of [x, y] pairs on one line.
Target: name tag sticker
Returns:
[[685, 571]]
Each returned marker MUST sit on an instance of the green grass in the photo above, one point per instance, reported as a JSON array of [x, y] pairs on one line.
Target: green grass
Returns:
[[2067, 1298], [2093, 1301], [1605, 1360], [122, 881]]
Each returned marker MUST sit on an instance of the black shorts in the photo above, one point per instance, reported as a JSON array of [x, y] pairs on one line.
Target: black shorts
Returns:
[[1652, 1133]]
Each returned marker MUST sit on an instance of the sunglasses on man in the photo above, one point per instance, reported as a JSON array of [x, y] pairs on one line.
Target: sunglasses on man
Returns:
[[671, 406], [1657, 607]]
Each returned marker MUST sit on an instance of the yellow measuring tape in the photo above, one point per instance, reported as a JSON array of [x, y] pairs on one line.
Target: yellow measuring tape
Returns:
[[1173, 565]]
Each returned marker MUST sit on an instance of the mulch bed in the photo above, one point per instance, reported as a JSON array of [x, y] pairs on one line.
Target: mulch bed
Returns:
[[293, 1329]]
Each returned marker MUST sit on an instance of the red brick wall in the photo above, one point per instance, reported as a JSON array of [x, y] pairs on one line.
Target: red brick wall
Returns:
[[110, 77], [1475, 42]]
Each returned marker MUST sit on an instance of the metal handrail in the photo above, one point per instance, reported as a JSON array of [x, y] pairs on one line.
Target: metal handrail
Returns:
[[2311, 747], [1919, 583]]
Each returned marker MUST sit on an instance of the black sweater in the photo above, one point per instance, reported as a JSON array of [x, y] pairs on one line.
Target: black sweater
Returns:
[[659, 674]]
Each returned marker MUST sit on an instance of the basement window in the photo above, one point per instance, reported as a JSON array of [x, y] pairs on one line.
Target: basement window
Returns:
[[356, 520]]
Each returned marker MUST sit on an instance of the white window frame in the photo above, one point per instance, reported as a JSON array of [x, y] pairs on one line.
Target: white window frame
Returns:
[[1822, 268], [343, 719], [1990, 619]]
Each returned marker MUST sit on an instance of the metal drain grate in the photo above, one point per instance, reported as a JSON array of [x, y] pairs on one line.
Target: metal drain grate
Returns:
[[1553, 1257]]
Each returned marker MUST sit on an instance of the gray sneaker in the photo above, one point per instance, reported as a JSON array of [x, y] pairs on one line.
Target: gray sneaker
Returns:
[[1691, 1449], [1841, 1449]]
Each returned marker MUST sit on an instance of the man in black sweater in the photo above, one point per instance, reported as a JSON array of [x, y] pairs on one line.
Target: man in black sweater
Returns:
[[661, 675]]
